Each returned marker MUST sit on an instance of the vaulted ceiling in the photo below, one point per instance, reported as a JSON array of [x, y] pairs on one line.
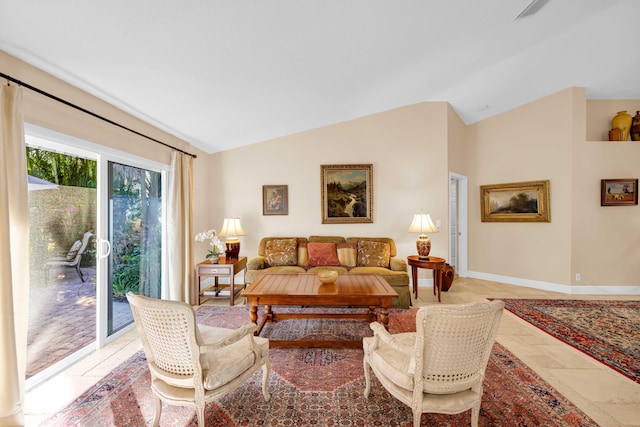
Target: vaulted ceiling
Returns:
[[222, 74]]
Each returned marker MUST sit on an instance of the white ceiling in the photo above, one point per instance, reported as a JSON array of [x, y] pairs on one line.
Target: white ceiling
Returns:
[[222, 74]]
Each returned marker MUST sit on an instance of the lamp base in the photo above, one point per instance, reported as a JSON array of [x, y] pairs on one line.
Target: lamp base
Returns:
[[233, 250], [423, 244]]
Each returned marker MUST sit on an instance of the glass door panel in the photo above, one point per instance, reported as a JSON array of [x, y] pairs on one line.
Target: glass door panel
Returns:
[[62, 227], [135, 234]]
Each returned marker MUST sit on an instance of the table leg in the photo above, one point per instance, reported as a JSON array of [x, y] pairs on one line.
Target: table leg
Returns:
[[253, 314], [437, 282], [232, 290], [414, 280], [384, 317]]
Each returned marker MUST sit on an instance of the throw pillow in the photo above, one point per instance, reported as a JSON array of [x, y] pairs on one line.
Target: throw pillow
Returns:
[[303, 254], [281, 252], [322, 254], [347, 254], [73, 251], [373, 254]]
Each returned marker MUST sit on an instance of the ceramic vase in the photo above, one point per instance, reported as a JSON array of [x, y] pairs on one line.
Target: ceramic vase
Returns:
[[622, 120], [635, 127]]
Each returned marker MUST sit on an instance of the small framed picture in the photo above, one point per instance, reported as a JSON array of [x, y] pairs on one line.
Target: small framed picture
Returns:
[[619, 192], [275, 200]]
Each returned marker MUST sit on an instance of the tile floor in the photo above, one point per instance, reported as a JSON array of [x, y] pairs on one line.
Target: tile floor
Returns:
[[611, 399]]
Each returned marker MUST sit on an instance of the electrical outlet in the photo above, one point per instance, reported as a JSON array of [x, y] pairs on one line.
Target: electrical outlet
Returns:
[[578, 277]]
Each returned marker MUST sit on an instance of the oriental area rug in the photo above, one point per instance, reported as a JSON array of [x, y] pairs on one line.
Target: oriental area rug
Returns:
[[608, 331], [319, 387]]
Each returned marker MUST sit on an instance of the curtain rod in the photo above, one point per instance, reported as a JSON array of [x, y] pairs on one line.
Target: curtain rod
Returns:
[[91, 113]]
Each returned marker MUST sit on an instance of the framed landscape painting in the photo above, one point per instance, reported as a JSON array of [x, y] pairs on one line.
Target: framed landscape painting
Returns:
[[619, 192], [275, 200], [346, 194], [515, 202]]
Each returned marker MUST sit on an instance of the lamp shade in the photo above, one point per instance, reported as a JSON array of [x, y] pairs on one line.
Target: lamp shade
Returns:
[[231, 229], [422, 224]]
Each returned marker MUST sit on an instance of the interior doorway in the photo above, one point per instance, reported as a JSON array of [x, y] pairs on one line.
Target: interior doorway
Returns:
[[458, 223]]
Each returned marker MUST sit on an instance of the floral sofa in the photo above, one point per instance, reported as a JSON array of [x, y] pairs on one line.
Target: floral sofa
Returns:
[[358, 255]]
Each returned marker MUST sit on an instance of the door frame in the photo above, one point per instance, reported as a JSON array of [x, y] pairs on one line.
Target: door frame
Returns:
[[102, 154], [462, 208]]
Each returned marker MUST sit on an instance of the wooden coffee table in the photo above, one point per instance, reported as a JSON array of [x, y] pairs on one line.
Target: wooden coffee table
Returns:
[[349, 290]]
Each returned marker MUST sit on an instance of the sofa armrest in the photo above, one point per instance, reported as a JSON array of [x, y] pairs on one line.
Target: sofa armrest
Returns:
[[256, 263], [397, 264]]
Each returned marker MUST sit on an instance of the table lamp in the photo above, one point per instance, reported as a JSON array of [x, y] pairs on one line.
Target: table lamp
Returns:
[[231, 229], [422, 224]]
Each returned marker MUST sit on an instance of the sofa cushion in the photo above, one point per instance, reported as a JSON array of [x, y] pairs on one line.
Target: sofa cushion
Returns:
[[390, 241], [281, 252], [373, 254], [321, 253], [347, 254], [303, 254]]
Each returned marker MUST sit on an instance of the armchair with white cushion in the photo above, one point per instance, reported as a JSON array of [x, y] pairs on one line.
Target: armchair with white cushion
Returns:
[[439, 368], [192, 364]]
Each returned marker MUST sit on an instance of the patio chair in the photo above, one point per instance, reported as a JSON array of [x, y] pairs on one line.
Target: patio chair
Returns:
[[440, 367], [192, 364], [73, 257]]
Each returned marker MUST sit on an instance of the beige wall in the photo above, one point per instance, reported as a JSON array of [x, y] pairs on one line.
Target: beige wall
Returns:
[[407, 147], [606, 239], [45, 112], [529, 143], [412, 150], [548, 139]]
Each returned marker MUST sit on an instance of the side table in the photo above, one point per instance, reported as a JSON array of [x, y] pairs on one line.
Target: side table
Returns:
[[223, 268], [434, 263]]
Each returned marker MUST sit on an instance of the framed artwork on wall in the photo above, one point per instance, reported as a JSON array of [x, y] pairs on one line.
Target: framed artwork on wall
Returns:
[[275, 200], [515, 202], [346, 194], [619, 192]]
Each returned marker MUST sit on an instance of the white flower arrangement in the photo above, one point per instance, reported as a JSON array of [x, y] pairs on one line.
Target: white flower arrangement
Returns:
[[217, 247]]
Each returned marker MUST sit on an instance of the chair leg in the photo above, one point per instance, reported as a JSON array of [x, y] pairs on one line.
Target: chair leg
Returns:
[[201, 420], [475, 415], [265, 379], [416, 418], [156, 416], [80, 272], [367, 377]]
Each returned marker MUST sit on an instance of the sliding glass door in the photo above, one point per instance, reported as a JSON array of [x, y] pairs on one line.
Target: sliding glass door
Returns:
[[135, 234], [96, 232]]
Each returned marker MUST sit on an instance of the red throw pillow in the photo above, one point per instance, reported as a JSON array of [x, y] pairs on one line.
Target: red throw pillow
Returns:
[[321, 254]]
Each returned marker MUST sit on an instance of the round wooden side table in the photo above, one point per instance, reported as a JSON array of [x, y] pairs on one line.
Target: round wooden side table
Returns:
[[433, 263]]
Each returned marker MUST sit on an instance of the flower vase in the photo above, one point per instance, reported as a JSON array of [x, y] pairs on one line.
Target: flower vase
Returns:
[[213, 259], [622, 121], [635, 127]]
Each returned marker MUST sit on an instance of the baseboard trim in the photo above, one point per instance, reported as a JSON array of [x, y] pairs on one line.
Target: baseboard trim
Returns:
[[556, 287]]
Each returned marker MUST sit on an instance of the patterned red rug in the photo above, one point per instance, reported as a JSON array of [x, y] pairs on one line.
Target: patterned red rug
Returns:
[[319, 387], [608, 331]]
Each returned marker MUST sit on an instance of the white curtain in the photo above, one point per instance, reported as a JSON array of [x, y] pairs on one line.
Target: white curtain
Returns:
[[181, 285], [14, 257]]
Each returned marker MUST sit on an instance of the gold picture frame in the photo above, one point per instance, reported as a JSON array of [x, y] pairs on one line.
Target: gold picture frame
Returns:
[[275, 200], [515, 202], [346, 194]]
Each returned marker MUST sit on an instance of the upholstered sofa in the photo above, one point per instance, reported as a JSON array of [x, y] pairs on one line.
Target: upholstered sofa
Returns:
[[352, 255]]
